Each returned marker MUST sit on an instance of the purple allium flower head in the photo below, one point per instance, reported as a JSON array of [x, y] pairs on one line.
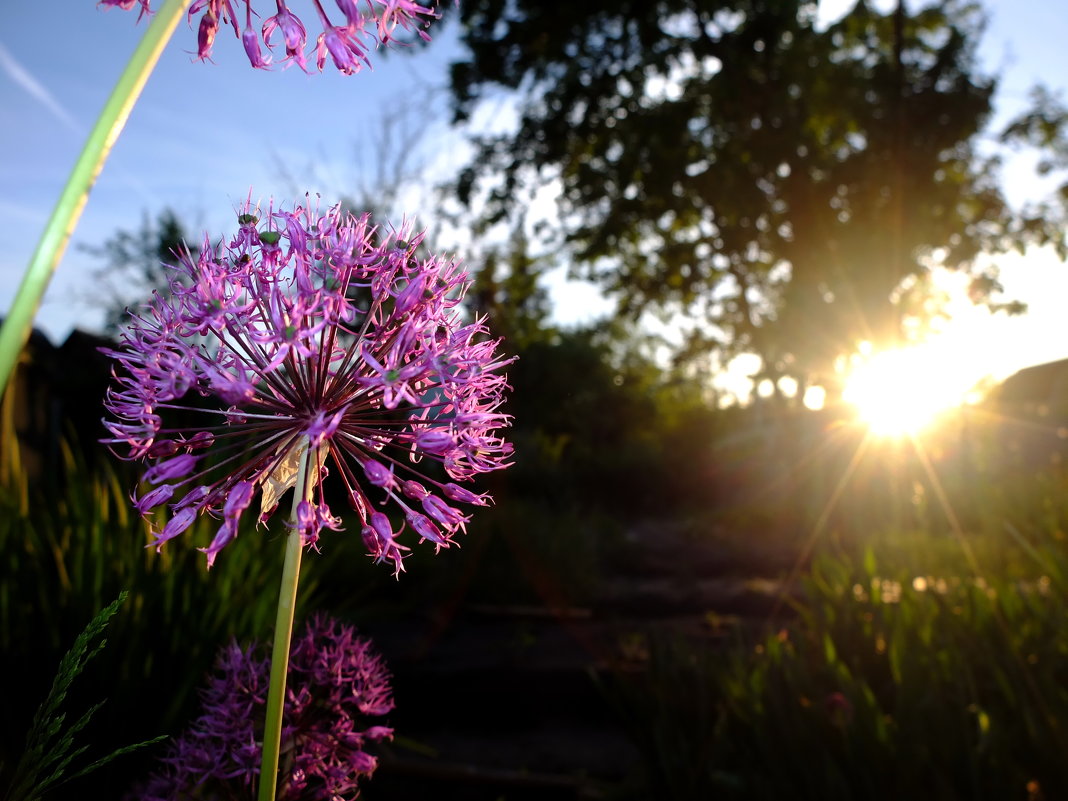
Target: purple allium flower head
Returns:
[[337, 689], [302, 334], [345, 39]]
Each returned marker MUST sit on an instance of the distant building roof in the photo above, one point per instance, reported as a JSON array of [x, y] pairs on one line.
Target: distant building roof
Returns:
[[1043, 383], [1040, 392]]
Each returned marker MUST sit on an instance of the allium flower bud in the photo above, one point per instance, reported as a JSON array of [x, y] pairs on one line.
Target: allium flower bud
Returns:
[[171, 469], [378, 537], [422, 526], [435, 440], [266, 328], [183, 518], [251, 43], [200, 440], [440, 511], [164, 447], [293, 34], [352, 14], [454, 492], [209, 26], [414, 490], [377, 474], [344, 48], [239, 498], [152, 499]]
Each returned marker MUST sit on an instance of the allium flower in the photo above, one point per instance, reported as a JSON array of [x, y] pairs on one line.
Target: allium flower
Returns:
[[317, 333], [376, 24], [336, 687]]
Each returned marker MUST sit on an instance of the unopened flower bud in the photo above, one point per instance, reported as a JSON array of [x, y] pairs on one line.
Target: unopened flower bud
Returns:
[[238, 499], [454, 492], [377, 474], [164, 447], [182, 520], [209, 26], [414, 490], [199, 441], [426, 529], [176, 467], [153, 498], [251, 42]]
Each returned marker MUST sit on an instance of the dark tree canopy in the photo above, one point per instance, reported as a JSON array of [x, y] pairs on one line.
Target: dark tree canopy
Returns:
[[728, 158]]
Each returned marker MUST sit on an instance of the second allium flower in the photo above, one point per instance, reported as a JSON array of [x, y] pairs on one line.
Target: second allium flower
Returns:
[[315, 333], [338, 692]]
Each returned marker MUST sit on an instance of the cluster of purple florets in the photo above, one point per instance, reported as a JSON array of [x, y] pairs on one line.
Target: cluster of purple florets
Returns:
[[314, 336], [336, 689], [362, 25]]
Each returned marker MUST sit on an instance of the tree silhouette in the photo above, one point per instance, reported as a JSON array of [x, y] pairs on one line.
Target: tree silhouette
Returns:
[[731, 159], [505, 287], [134, 265]]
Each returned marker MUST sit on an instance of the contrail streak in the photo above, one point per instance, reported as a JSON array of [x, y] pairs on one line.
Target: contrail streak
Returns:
[[21, 76], [18, 74]]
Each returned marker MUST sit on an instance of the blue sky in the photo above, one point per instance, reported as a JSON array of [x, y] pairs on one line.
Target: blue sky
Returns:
[[203, 133]]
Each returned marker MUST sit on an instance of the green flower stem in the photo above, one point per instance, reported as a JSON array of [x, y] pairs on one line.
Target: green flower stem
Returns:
[[283, 630], [19, 322]]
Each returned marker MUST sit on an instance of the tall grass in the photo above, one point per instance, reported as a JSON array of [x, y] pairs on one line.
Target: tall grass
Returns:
[[68, 549], [904, 675], [53, 751], [67, 552]]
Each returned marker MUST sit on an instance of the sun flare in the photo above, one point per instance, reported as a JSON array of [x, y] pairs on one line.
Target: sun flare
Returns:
[[900, 392]]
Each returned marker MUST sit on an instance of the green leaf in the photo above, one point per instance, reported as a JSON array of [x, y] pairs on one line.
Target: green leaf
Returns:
[[869, 561], [829, 651], [126, 749], [49, 746]]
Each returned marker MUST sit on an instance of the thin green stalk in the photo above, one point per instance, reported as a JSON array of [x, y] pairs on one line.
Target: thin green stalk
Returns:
[[283, 631], [19, 322]]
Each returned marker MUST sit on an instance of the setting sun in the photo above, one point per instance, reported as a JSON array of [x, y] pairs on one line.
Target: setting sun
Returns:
[[899, 392]]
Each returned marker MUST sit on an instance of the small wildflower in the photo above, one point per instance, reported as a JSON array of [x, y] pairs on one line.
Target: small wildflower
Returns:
[[346, 41], [839, 710], [337, 690], [299, 343]]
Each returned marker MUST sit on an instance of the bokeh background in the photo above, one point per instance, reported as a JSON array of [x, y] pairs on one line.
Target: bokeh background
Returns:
[[785, 281]]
